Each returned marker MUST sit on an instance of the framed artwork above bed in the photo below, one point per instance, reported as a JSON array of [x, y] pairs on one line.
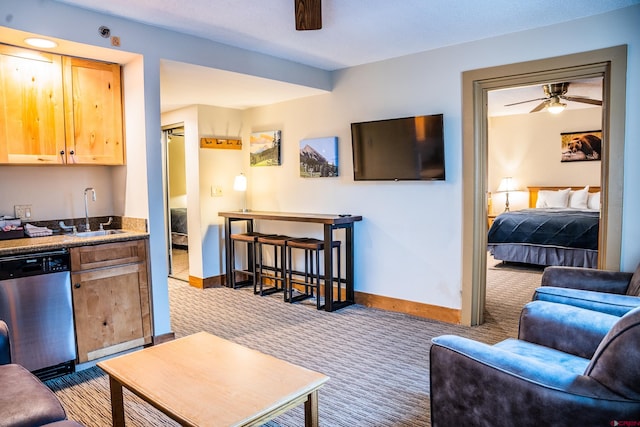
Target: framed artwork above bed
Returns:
[[581, 146]]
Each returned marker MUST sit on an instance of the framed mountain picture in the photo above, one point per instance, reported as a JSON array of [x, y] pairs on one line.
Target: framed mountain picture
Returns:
[[319, 157]]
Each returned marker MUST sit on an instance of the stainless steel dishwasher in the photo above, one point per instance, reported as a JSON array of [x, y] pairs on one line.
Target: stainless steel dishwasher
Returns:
[[35, 302]]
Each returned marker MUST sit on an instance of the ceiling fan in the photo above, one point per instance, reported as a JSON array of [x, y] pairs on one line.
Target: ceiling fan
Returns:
[[553, 93], [308, 14]]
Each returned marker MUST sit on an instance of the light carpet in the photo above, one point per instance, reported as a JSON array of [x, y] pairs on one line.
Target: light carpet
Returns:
[[377, 361]]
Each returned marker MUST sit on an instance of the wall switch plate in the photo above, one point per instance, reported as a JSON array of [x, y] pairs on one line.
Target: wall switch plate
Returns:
[[22, 211], [216, 191]]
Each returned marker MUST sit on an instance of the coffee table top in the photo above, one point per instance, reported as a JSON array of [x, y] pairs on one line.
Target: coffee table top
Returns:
[[204, 380]]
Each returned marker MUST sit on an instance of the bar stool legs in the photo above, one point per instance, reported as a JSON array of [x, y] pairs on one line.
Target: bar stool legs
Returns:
[[275, 273], [250, 239], [311, 277]]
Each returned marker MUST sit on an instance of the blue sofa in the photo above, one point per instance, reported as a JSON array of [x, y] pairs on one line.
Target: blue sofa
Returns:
[[568, 366], [24, 400], [611, 292]]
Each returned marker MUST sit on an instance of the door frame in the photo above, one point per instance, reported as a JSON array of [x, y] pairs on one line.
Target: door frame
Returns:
[[609, 63]]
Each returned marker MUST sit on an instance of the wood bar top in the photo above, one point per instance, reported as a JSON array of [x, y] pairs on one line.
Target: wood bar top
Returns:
[[291, 216]]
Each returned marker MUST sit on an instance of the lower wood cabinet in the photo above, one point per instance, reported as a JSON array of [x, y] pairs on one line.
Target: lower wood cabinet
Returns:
[[111, 298]]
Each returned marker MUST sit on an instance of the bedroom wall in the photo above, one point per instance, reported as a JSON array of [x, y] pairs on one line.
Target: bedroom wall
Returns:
[[527, 148], [177, 172]]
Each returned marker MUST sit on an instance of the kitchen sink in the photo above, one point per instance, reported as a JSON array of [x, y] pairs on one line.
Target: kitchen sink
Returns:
[[98, 233]]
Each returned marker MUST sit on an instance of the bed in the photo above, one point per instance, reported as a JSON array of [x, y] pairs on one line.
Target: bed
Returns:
[[558, 228], [179, 227]]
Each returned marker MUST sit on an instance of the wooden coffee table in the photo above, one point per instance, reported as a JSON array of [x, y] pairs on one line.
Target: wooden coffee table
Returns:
[[204, 380]]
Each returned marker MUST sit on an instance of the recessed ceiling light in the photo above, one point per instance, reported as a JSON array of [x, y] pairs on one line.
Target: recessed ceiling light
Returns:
[[41, 43]]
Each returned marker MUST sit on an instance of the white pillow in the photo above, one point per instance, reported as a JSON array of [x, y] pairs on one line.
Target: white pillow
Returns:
[[593, 201], [553, 199], [578, 198]]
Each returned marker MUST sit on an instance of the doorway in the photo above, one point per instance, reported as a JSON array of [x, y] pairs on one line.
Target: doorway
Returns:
[[176, 202], [610, 64]]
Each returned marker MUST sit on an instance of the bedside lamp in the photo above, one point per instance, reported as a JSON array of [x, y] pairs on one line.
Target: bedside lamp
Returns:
[[507, 184], [240, 184]]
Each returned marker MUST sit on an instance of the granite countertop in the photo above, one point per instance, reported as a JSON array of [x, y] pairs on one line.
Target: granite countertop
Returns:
[[37, 244]]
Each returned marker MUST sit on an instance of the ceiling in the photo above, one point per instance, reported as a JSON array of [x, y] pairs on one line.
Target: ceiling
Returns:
[[354, 32]]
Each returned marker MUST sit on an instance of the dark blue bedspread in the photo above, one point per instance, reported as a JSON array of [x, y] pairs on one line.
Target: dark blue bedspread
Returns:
[[552, 227]]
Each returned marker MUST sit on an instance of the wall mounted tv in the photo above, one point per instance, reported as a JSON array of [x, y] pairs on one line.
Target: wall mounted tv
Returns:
[[404, 149]]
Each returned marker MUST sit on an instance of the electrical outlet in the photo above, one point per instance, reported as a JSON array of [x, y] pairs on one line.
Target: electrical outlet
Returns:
[[216, 191], [22, 211]]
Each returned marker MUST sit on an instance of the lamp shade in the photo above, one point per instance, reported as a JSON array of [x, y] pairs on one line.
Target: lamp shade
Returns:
[[507, 184], [240, 183]]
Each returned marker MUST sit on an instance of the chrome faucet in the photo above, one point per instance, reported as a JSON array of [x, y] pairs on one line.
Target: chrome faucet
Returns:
[[87, 227]]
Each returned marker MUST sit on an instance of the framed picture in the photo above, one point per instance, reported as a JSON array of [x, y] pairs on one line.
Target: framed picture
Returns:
[[581, 146], [264, 148], [319, 157]]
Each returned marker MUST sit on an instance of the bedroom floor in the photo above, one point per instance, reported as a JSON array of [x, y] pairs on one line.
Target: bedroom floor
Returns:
[[180, 260]]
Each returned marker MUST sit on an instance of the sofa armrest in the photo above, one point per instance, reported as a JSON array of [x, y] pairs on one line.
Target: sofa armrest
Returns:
[[5, 350], [564, 327], [472, 383], [614, 304], [590, 279]]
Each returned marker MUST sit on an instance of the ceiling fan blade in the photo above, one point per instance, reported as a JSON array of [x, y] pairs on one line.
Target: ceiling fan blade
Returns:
[[522, 102], [308, 14], [539, 107], [582, 99]]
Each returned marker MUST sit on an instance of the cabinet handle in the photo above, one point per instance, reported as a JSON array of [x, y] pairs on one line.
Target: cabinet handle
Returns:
[[77, 286]]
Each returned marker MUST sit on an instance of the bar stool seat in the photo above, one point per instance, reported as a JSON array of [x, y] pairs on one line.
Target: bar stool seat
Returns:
[[310, 280], [276, 273], [250, 238]]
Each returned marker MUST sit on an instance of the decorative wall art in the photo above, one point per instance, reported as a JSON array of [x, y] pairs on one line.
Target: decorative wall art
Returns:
[[319, 157], [581, 146], [264, 148]]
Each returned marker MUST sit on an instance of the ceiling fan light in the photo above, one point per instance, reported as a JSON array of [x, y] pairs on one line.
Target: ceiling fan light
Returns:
[[556, 107]]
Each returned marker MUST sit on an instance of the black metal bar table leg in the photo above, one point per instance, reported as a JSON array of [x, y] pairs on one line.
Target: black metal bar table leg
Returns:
[[328, 267]]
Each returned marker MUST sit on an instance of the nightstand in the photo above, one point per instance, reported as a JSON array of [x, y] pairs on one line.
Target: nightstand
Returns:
[[490, 219]]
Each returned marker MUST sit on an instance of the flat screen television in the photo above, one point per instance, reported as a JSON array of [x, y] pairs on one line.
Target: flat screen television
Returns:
[[403, 149]]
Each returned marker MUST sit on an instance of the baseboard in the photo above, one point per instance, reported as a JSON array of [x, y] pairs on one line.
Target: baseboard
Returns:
[[433, 312], [207, 282], [159, 339]]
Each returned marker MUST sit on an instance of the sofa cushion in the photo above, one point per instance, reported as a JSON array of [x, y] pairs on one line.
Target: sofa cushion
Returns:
[[24, 400], [614, 304]]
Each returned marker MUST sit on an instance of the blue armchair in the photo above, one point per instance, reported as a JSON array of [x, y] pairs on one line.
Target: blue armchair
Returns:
[[569, 366], [24, 400], [611, 292]]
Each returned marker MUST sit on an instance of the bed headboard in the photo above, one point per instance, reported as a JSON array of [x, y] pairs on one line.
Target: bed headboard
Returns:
[[533, 192]]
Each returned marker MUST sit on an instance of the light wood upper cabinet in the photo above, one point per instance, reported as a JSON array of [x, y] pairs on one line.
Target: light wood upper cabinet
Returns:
[[93, 111], [59, 110], [31, 107]]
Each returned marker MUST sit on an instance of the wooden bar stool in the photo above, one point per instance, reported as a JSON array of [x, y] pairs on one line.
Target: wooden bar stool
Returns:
[[311, 275], [276, 273], [250, 239]]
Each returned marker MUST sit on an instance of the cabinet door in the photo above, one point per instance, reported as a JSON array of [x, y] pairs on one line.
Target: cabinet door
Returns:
[[108, 308], [93, 111], [31, 107]]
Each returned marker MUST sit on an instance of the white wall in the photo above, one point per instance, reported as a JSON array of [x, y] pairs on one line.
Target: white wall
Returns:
[[409, 244], [57, 191], [527, 148]]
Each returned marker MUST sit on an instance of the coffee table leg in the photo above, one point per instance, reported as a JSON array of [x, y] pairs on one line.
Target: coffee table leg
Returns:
[[311, 410], [117, 403]]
